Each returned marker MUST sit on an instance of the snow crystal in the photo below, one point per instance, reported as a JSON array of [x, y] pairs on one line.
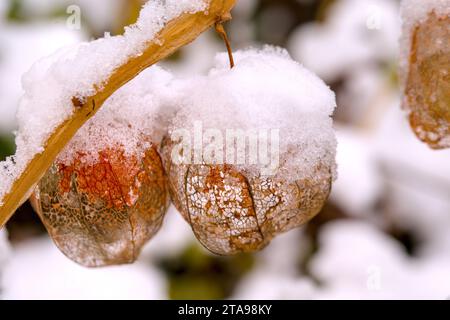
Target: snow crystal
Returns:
[[54, 81], [134, 113], [413, 13], [266, 90]]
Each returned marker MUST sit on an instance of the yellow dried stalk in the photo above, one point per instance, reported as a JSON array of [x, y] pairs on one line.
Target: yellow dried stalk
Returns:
[[177, 33]]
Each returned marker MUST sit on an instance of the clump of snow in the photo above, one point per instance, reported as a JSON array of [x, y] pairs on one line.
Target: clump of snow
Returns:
[[355, 33], [53, 82], [266, 90], [133, 119], [415, 12]]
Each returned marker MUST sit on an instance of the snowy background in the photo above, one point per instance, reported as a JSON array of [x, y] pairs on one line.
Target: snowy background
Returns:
[[385, 232]]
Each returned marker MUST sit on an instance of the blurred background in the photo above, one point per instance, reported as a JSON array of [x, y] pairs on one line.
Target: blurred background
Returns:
[[385, 232]]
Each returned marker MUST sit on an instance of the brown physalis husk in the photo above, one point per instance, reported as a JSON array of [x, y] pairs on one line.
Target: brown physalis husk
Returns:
[[231, 212], [427, 90], [102, 213]]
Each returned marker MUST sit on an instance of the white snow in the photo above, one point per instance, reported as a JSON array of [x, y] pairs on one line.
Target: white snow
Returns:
[[4, 255], [359, 184], [416, 179], [99, 13], [357, 261], [266, 90], [175, 235], [133, 119], [355, 33], [38, 270], [196, 56], [379, 158], [416, 11], [274, 286], [281, 257], [20, 47], [4, 247], [3, 9], [53, 82], [276, 271]]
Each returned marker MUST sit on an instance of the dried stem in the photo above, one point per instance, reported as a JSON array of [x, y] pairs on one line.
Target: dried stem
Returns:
[[177, 33], [221, 31]]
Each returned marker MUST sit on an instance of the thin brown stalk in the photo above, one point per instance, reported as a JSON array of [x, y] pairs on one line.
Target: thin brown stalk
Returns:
[[221, 31]]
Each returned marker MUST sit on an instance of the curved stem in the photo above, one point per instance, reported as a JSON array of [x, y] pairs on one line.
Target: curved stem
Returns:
[[221, 31]]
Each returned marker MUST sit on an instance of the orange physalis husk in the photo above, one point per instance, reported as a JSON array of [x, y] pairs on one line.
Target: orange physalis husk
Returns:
[[102, 212], [231, 212], [427, 88]]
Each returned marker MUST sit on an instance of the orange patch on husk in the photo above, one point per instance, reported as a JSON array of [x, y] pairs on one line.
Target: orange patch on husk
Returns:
[[114, 178]]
